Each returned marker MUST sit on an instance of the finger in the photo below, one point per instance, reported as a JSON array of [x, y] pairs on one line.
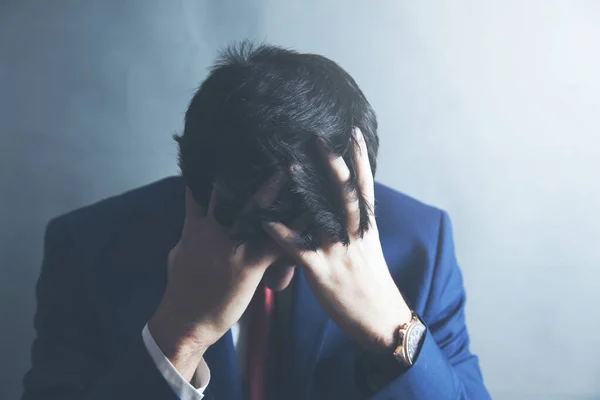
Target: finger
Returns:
[[269, 191], [273, 251], [364, 174], [286, 238], [305, 222], [212, 203], [258, 257], [341, 175], [336, 165], [193, 210]]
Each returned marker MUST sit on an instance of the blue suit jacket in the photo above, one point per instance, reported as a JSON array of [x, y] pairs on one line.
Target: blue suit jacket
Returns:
[[104, 272]]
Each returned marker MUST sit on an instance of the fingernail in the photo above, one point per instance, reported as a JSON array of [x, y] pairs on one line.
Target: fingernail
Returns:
[[268, 226]]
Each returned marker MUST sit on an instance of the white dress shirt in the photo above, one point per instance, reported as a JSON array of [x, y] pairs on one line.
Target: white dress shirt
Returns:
[[182, 388], [195, 390]]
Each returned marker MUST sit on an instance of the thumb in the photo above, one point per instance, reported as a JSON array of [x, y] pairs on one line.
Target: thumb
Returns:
[[193, 210], [171, 259]]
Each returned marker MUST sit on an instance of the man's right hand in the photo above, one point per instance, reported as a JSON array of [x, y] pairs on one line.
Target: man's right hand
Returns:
[[211, 281]]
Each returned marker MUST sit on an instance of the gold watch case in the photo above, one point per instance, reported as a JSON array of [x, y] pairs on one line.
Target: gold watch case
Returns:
[[410, 335]]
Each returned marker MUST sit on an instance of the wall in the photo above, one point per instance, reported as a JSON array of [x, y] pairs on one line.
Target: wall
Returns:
[[487, 109]]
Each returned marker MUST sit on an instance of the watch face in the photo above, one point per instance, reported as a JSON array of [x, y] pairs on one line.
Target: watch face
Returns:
[[414, 339]]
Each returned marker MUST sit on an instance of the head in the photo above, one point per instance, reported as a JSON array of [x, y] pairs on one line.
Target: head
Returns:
[[261, 110]]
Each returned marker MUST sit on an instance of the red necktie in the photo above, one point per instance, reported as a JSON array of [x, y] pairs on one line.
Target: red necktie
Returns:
[[259, 327]]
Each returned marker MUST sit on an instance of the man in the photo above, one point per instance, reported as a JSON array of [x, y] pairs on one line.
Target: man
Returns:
[[167, 291]]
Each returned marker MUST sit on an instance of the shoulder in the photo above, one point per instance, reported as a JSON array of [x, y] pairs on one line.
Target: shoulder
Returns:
[[417, 243], [156, 200], [400, 216]]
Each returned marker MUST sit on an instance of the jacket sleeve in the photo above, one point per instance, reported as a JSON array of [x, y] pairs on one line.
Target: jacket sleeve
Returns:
[[445, 367], [67, 358]]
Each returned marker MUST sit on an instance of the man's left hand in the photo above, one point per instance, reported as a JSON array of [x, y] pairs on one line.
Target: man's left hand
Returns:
[[352, 283]]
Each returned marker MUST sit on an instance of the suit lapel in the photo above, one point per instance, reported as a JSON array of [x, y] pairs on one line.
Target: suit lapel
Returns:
[[308, 324]]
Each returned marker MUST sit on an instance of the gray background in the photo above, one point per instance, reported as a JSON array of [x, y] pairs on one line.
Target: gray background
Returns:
[[489, 109]]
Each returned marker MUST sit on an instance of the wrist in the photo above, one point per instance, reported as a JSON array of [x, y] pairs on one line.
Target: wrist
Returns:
[[387, 336], [378, 368], [183, 343], [175, 338]]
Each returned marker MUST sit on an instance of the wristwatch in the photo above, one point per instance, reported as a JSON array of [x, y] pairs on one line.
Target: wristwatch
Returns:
[[377, 370], [410, 337]]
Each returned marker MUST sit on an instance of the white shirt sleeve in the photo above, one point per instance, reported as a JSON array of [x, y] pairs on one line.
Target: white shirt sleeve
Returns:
[[182, 388]]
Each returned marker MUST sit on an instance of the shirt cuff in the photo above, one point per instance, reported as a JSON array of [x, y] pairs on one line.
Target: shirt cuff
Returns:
[[182, 388]]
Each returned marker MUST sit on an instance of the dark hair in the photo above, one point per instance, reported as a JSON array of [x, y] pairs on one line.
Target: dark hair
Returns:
[[261, 110]]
